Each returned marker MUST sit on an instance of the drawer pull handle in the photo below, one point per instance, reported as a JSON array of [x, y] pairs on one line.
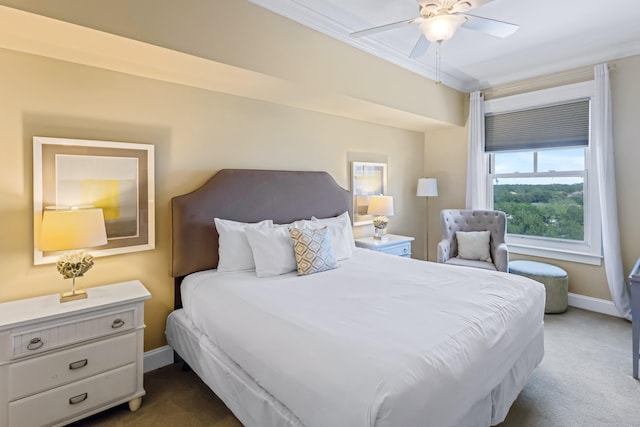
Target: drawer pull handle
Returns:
[[79, 364], [77, 399], [35, 344], [118, 323]]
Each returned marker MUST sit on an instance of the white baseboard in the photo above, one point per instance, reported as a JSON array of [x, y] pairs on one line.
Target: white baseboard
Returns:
[[593, 304], [157, 358]]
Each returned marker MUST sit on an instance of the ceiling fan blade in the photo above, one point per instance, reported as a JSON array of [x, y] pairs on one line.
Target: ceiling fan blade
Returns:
[[420, 48], [386, 27], [489, 26]]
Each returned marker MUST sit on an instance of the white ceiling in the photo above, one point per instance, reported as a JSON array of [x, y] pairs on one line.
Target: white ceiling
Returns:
[[554, 35]]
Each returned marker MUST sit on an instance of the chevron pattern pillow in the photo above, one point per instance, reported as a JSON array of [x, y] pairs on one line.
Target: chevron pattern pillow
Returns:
[[312, 248]]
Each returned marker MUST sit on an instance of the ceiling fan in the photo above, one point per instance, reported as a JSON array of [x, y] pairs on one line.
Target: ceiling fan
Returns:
[[440, 19]]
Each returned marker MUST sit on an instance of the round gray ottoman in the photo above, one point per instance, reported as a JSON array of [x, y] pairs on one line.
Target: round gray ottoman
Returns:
[[554, 279]]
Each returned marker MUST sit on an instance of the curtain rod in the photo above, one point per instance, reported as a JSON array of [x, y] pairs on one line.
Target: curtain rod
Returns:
[[582, 72]]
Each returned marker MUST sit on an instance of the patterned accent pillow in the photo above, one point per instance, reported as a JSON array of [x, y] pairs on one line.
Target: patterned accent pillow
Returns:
[[312, 248]]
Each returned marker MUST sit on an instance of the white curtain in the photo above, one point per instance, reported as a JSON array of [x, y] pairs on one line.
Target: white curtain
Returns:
[[476, 161], [602, 149]]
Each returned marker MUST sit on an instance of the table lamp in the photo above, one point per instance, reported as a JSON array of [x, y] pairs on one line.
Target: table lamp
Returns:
[[381, 207], [69, 230]]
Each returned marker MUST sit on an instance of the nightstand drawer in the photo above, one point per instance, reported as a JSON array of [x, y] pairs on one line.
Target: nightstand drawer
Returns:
[[53, 370], [70, 400], [400, 250], [39, 340], [392, 244]]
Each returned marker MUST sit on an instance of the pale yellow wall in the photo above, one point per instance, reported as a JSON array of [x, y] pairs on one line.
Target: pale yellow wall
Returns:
[[625, 88], [244, 35], [195, 132], [445, 160], [446, 157], [182, 105]]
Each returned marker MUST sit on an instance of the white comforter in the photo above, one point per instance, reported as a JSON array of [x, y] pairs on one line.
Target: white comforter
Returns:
[[382, 340]]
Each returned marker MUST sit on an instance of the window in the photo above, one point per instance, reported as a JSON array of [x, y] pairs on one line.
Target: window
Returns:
[[541, 174], [543, 202]]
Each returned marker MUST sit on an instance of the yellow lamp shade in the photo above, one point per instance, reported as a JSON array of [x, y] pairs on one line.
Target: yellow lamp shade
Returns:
[[72, 229]]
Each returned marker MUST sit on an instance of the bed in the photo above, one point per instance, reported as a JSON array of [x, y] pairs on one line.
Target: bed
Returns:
[[379, 341]]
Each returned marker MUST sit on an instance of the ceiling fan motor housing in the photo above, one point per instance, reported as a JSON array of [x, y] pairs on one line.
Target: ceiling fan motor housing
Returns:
[[429, 10]]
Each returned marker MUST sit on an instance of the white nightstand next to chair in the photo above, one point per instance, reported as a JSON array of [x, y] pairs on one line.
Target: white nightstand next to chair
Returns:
[[393, 244]]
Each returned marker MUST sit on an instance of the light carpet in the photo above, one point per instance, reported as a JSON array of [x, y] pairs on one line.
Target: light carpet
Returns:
[[585, 377]]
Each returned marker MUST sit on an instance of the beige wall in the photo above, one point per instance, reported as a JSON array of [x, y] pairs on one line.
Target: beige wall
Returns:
[[445, 160], [258, 99], [446, 157], [195, 132], [241, 34]]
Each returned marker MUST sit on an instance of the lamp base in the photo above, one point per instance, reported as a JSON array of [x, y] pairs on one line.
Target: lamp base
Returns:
[[378, 234], [72, 296]]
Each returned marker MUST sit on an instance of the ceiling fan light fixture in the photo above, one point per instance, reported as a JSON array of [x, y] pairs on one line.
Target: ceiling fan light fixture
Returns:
[[441, 27]]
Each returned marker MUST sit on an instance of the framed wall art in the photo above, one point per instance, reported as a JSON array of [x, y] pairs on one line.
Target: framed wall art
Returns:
[[117, 177], [367, 179]]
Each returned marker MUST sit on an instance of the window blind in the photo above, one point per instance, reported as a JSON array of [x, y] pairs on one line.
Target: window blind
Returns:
[[564, 125]]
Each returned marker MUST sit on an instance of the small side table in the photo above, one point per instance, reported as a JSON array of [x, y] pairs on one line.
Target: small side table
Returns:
[[393, 244]]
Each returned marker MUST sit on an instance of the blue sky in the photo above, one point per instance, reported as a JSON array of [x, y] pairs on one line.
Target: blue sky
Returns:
[[548, 160]]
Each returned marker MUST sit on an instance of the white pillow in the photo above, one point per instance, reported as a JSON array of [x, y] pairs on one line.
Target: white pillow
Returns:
[[341, 233], [234, 252], [295, 224], [272, 250], [474, 245]]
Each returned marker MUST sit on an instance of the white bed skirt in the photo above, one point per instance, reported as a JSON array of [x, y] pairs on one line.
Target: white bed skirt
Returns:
[[254, 406]]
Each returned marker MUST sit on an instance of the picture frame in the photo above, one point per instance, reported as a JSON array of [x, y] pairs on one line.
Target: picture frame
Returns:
[[367, 179], [115, 176]]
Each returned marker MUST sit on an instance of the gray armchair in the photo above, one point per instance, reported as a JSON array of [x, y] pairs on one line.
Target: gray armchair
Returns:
[[453, 220]]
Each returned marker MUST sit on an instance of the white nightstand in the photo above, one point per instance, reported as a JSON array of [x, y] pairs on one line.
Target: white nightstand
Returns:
[[394, 244], [60, 362]]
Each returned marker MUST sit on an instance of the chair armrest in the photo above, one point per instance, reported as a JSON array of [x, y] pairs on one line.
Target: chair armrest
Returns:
[[443, 251], [501, 260]]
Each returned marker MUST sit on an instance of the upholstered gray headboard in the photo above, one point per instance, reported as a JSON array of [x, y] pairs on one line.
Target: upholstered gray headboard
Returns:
[[249, 196]]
